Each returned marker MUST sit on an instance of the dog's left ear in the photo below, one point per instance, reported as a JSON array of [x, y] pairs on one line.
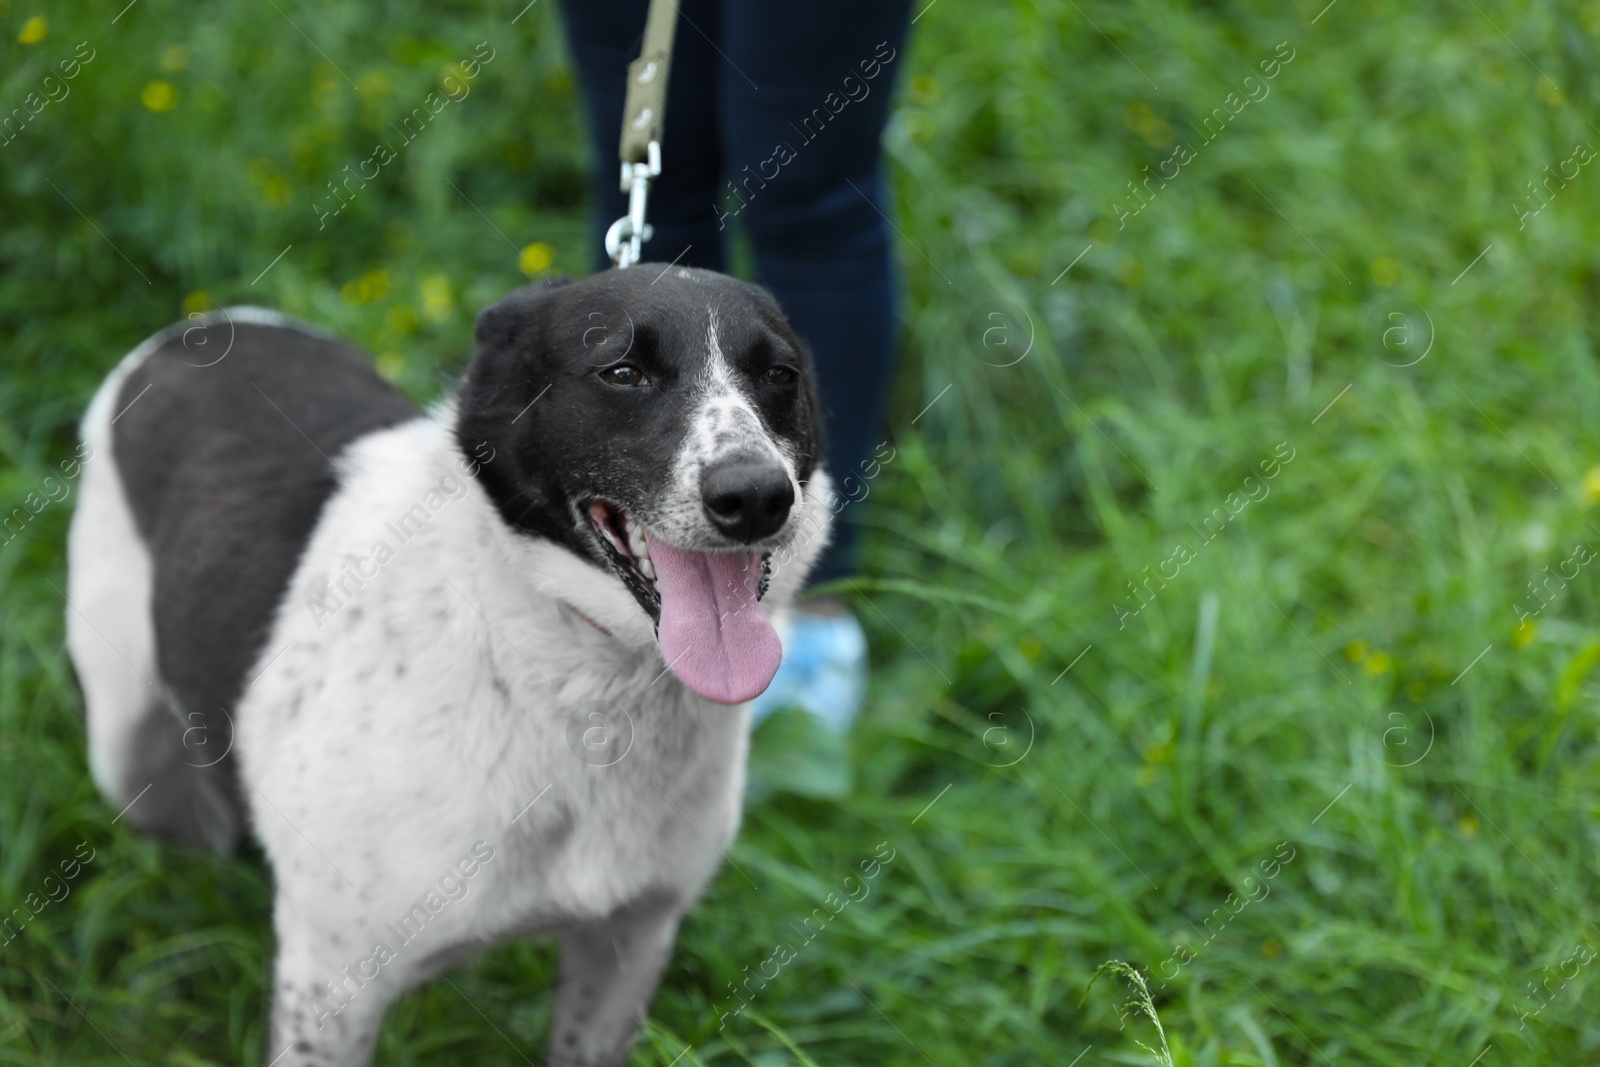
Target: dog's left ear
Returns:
[[500, 325], [504, 375], [505, 372]]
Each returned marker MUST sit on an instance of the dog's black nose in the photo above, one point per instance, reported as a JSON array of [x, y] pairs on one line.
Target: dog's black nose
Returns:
[[747, 499]]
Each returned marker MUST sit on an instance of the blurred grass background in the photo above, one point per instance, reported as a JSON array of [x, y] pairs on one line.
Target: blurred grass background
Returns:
[[1353, 667]]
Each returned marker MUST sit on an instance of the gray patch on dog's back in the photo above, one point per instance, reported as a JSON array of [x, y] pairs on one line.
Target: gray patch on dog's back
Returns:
[[226, 469]]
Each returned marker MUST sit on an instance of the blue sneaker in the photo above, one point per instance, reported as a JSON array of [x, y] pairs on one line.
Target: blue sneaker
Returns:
[[803, 743], [824, 669]]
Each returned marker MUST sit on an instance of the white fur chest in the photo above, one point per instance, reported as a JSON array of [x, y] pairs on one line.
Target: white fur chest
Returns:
[[419, 693]]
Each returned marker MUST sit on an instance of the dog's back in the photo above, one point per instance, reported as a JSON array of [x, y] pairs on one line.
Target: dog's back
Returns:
[[214, 448]]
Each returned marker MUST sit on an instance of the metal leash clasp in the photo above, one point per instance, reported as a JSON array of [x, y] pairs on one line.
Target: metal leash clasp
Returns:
[[628, 234]]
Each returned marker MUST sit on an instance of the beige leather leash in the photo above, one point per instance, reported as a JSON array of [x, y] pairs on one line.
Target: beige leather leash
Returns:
[[643, 116]]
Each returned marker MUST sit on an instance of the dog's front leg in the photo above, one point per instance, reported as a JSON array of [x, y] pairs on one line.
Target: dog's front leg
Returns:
[[323, 1013], [608, 974]]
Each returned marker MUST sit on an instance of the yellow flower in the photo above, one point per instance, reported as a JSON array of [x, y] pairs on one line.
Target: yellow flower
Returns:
[[34, 30], [174, 58], [373, 285], [1161, 753], [535, 258], [196, 302], [438, 302], [1378, 663], [1591, 486], [374, 83], [391, 365], [1355, 651], [1103, 233], [401, 319], [1152, 128], [1524, 634], [1589, 17], [1385, 271], [1157, 134], [160, 96], [1467, 825], [276, 191]]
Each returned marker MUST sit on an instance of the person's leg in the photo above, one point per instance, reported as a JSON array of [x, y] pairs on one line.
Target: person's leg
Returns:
[[605, 36], [803, 95], [802, 98]]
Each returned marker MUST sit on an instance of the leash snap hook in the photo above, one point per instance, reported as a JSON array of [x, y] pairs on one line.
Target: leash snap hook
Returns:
[[627, 235]]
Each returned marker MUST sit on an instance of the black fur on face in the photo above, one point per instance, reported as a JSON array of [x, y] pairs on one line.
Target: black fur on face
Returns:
[[619, 391]]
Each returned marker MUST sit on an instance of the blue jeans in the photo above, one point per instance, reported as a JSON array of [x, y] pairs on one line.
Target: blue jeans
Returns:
[[774, 114]]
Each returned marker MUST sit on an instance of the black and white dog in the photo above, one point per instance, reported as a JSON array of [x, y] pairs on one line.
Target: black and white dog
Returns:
[[465, 673]]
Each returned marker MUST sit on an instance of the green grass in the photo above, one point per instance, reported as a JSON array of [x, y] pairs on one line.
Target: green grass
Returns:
[[1277, 697]]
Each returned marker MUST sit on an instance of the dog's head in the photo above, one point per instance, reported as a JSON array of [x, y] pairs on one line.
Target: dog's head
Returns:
[[662, 425]]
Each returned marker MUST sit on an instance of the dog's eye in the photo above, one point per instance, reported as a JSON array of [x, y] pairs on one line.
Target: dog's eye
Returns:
[[778, 375], [624, 374]]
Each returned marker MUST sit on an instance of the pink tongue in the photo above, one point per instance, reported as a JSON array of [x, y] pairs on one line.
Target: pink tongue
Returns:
[[714, 634]]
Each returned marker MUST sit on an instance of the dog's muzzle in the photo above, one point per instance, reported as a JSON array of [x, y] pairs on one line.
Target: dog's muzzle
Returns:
[[747, 498]]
